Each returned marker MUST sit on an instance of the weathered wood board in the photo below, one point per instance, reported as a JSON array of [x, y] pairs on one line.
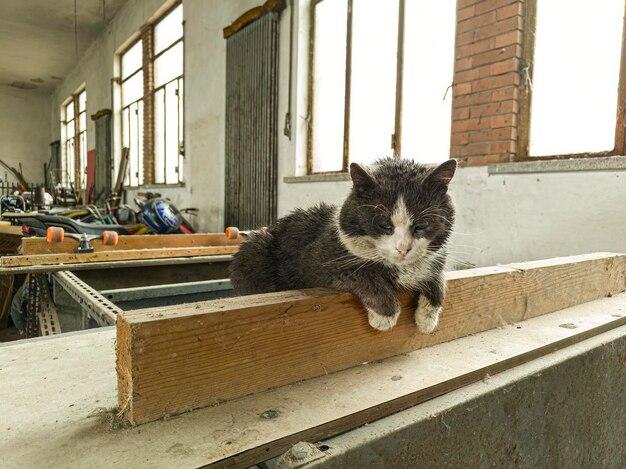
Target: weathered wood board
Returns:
[[171, 361], [113, 256], [34, 245]]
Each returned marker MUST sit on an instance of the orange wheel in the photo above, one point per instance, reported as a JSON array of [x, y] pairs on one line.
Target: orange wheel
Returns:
[[55, 234], [110, 238], [232, 232]]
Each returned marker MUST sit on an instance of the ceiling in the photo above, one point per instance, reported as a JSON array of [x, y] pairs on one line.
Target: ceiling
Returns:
[[37, 38]]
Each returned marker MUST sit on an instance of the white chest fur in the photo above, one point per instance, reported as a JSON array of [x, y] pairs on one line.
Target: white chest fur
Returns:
[[410, 276]]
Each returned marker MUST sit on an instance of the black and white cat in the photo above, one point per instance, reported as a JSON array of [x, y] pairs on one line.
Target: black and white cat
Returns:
[[389, 235]]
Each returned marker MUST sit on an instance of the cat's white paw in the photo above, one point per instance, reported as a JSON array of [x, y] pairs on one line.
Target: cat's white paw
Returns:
[[381, 322], [426, 315]]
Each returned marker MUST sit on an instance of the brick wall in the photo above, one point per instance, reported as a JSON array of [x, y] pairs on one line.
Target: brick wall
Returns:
[[487, 79]]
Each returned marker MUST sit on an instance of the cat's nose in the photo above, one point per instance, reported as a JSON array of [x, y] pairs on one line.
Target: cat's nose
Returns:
[[403, 251]]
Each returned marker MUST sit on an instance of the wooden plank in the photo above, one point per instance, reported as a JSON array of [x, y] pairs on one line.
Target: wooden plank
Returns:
[[41, 246], [232, 434], [171, 361], [110, 256], [212, 259]]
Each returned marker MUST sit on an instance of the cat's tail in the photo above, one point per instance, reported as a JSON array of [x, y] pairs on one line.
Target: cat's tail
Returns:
[[251, 270]]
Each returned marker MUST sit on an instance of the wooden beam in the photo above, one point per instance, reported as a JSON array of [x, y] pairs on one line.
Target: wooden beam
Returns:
[[110, 256], [41, 246], [180, 358]]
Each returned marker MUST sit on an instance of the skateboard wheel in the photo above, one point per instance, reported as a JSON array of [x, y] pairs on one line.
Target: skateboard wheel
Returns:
[[55, 234], [232, 232], [110, 238]]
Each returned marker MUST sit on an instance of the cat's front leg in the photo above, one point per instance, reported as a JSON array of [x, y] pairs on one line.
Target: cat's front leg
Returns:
[[429, 305], [382, 306]]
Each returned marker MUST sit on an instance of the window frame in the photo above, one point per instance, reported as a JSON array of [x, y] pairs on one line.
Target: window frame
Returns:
[[79, 172], [528, 53], [396, 137], [147, 158]]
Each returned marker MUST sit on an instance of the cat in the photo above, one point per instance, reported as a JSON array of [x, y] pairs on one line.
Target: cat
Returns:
[[389, 235]]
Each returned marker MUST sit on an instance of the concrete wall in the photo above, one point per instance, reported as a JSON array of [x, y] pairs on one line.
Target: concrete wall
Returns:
[[515, 217], [24, 132]]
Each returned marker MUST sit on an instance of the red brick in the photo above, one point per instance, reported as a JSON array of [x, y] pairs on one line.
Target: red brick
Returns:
[[467, 75], [463, 64], [470, 150], [465, 13], [496, 55], [462, 113], [508, 65], [483, 160], [460, 139], [466, 38], [513, 37], [471, 124], [516, 9], [488, 5], [475, 48], [465, 3], [506, 133], [486, 97], [497, 108], [500, 27], [476, 22], [509, 120], [504, 147], [504, 94], [498, 81], [461, 89]]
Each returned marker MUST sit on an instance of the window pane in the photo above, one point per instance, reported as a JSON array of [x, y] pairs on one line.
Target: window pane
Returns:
[[69, 111], [131, 60], [169, 65], [70, 129], [159, 136], [181, 128], [428, 72], [82, 101], [135, 143], [69, 162], [374, 49], [576, 72], [82, 121], [83, 159], [132, 89], [169, 29], [329, 69], [125, 140], [172, 143]]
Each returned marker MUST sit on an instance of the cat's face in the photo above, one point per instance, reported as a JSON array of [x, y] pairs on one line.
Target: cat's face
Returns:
[[399, 213]]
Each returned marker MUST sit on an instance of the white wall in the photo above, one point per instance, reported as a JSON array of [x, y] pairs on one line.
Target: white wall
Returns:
[[515, 217], [24, 132]]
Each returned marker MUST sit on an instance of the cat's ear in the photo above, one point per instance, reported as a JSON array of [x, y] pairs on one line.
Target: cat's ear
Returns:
[[443, 173], [364, 184]]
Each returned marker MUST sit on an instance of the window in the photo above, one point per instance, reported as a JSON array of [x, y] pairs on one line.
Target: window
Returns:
[[132, 112], [576, 71], [371, 94], [158, 103], [74, 141]]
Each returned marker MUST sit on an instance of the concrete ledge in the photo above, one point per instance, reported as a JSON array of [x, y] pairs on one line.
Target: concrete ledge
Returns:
[[322, 177], [605, 163], [564, 410]]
